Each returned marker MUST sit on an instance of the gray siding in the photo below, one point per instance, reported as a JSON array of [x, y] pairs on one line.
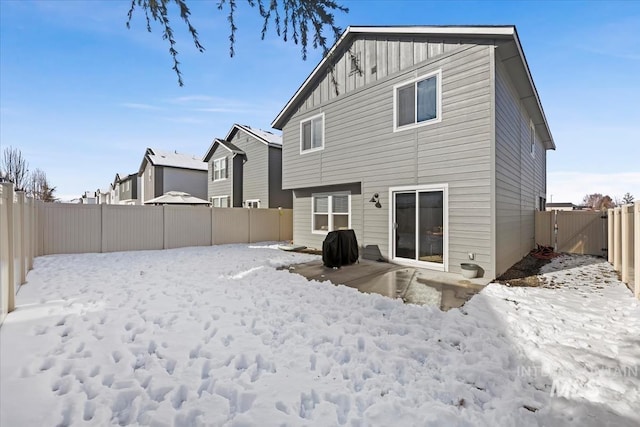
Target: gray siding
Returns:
[[158, 181], [190, 181], [221, 187], [130, 195], [520, 178], [148, 182], [238, 178], [302, 214], [278, 198], [255, 171], [360, 145], [379, 57]]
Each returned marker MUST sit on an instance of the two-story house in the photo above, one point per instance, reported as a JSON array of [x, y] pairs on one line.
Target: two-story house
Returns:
[[127, 188], [163, 171], [429, 142], [245, 170]]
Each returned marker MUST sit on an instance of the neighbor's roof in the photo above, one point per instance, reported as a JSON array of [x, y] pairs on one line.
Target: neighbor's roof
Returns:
[[266, 137], [176, 198], [501, 32], [263, 135], [226, 144], [172, 159]]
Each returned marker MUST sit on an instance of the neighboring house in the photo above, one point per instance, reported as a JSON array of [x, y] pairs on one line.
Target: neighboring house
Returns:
[[434, 148], [104, 196], [163, 171], [245, 170], [127, 188], [88, 198], [560, 206]]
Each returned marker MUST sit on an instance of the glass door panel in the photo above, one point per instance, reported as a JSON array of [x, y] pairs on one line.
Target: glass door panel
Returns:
[[431, 226], [405, 225]]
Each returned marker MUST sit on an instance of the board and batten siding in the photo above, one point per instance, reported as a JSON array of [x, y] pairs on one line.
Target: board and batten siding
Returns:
[[520, 177], [360, 145]]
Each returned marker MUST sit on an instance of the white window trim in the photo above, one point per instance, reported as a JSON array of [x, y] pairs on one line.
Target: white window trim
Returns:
[[249, 201], [438, 119], [330, 212], [445, 244], [213, 169], [532, 139], [220, 198], [308, 119]]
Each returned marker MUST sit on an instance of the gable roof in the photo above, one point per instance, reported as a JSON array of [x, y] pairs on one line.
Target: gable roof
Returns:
[[504, 33], [121, 177], [171, 159], [266, 137], [226, 144]]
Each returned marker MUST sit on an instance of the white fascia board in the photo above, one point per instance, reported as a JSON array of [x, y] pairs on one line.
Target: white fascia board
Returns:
[[439, 30]]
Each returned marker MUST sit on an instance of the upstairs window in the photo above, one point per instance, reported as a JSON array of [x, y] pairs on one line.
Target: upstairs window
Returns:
[[312, 134], [417, 102], [220, 170]]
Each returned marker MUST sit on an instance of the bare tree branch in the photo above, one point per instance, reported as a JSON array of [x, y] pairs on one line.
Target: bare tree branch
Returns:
[[305, 19], [15, 167]]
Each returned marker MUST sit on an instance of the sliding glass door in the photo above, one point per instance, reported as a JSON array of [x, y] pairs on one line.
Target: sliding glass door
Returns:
[[419, 226]]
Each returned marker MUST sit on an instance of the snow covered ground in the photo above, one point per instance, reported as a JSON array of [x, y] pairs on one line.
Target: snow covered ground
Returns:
[[217, 336]]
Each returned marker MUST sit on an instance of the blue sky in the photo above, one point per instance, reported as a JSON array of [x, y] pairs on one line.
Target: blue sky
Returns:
[[82, 97]]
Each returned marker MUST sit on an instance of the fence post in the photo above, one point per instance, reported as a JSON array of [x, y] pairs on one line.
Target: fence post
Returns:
[[625, 239], [610, 245], [213, 226], [34, 230], [617, 241], [164, 227], [7, 188], [19, 242], [636, 248]]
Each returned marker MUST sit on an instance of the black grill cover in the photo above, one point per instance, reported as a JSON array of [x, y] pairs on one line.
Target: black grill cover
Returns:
[[340, 248]]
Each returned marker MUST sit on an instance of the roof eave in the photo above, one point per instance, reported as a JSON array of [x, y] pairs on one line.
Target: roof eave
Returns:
[[548, 141]]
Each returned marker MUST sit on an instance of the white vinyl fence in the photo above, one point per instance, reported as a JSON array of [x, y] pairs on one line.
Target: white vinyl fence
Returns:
[[624, 243], [575, 232], [30, 228]]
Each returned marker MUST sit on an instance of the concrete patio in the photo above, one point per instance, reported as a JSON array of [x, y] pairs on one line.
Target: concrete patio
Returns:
[[413, 285]]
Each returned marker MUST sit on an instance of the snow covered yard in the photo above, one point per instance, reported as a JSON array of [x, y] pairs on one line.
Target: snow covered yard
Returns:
[[217, 336]]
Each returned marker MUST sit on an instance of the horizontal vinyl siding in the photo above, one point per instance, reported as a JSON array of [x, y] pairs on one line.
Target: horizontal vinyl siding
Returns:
[[186, 180], [221, 187], [360, 146], [255, 171], [302, 214], [520, 178]]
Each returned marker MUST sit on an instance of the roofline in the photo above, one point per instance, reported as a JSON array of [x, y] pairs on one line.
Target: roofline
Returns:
[[251, 132], [552, 144], [497, 31]]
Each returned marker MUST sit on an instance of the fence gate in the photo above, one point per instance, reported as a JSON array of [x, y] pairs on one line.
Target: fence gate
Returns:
[[578, 232]]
